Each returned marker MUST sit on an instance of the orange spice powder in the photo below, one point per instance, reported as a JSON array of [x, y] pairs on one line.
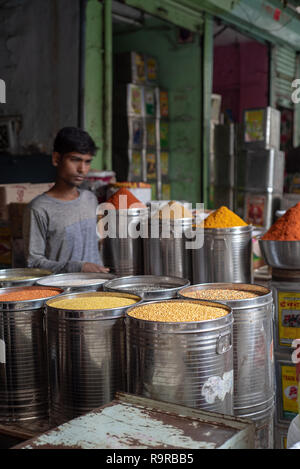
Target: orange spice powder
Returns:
[[29, 293]]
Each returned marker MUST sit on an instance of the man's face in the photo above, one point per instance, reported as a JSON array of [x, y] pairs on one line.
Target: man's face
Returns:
[[72, 167]]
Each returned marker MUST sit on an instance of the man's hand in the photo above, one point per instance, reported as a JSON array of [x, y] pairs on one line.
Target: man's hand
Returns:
[[90, 267]]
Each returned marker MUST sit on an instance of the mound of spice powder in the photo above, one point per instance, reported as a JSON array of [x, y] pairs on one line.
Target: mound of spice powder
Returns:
[[173, 211], [124, 199], [29, 293], [287, 227], [223, 218]]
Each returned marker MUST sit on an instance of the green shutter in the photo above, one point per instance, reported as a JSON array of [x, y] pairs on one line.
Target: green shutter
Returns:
[[173, 11], [284, 69]]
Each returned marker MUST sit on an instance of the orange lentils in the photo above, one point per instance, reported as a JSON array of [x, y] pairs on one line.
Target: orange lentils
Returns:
[[29, 293]]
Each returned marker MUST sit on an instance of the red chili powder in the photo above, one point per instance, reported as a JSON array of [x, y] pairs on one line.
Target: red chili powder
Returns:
[[124, 202], [29, 293], [287, 227]]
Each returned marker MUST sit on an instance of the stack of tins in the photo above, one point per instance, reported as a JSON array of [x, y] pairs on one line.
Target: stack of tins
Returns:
[[166, 252], [180, 351], [23, 353], [280, 247], [119, 227], [226, 254], [86, 348], [252, 308]]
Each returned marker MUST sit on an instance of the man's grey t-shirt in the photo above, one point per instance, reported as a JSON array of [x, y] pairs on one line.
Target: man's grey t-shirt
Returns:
[[61, 235]]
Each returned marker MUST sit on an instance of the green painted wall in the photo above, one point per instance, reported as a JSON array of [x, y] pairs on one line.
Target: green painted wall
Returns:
[[93, 92], [180, 73]]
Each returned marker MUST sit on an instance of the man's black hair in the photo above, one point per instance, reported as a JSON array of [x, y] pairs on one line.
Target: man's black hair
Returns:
[[74, 139]]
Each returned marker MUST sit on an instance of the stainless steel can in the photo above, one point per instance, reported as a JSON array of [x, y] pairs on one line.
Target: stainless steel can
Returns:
[[252, 343], [188, 363], [165, 248], [86, 350], [263, 417], [21, 277], [122, 246], [23, 359], [78, 281], [149, 287], [226, 256], [254, 374]]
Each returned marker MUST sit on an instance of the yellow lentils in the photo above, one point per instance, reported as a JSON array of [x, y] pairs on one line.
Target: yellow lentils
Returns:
[[93, 302], [218, 294], [177, 311]]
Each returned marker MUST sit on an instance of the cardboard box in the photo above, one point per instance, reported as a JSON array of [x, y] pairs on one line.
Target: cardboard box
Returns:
[[19, 193]]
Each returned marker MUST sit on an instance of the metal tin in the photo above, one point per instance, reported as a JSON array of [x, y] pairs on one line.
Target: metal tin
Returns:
[[188, 363], [264, 170], [168, 254], [226, 256], [252, 344], [223, 195], [286, 388], [132, 422], [149, 287], [263, 417], [286, 293], [65, 281], [86, 356], [260, 208], [122, 250], [223, 156], [262, 128], [8, 277], [23, 359]]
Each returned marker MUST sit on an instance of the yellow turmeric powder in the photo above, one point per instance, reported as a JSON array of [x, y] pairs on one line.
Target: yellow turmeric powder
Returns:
[[223, 218]]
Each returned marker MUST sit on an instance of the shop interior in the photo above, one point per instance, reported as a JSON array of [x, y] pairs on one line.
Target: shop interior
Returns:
[[176, 71], [109, 354]]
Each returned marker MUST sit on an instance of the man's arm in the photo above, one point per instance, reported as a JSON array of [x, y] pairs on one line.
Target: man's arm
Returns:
[[35, 234]]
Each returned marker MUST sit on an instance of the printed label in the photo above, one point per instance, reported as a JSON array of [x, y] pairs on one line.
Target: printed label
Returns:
[[288, 317], [289, 392], [255, 210]]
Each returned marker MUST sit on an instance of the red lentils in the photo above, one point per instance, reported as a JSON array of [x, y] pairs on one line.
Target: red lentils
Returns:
[[29, 293]]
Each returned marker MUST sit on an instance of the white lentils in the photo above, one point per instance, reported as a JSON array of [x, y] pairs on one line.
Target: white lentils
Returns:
[[220, 294]]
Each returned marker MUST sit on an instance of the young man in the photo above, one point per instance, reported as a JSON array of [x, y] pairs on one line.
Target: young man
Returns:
[[60, 225]]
